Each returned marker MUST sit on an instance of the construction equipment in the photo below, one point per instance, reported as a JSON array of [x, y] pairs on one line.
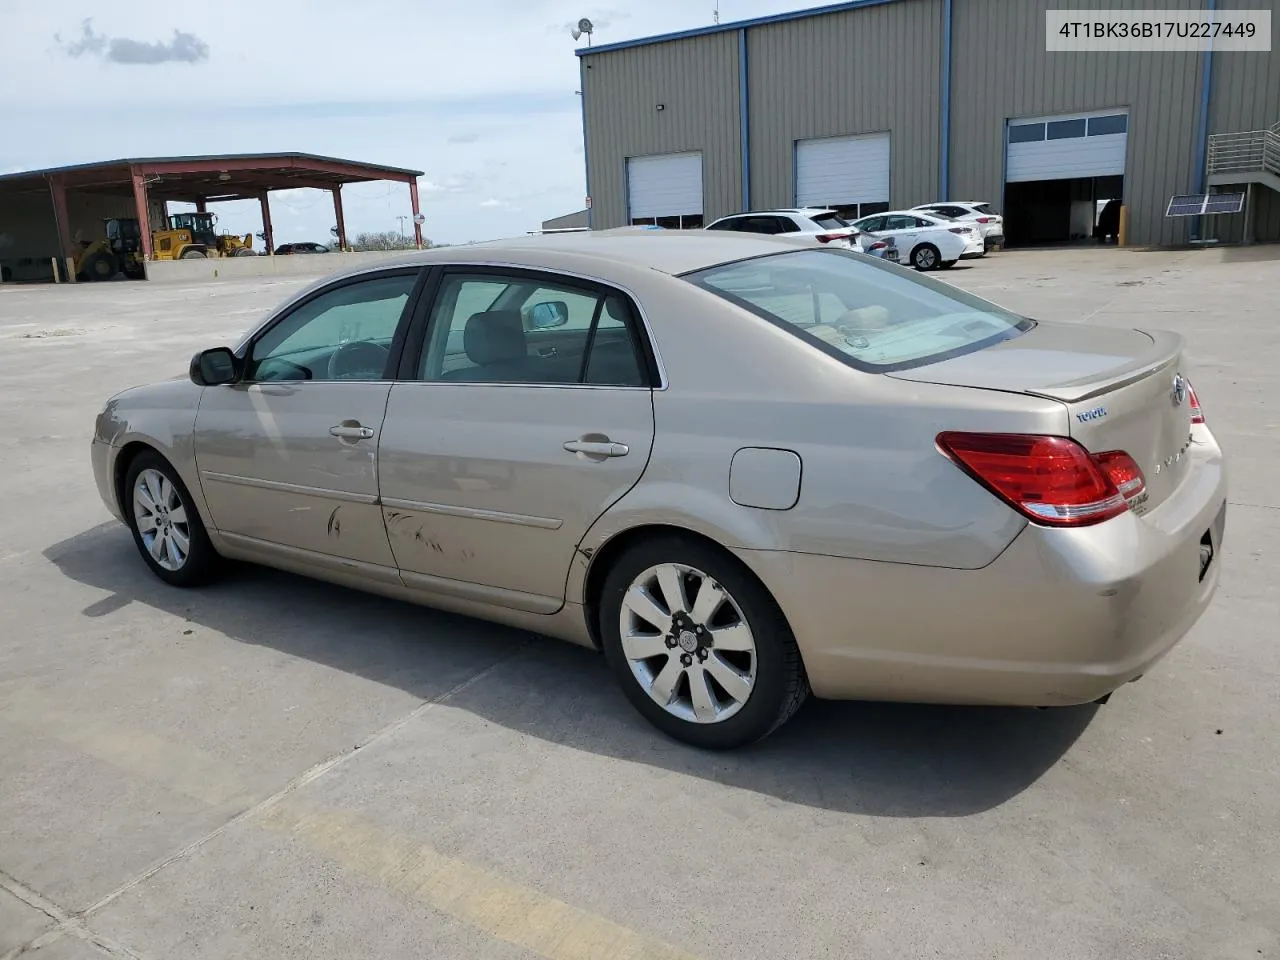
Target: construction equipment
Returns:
[[119, 251], [191, 237]]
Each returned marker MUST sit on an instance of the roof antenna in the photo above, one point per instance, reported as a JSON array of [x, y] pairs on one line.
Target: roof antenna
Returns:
[[715, 14]]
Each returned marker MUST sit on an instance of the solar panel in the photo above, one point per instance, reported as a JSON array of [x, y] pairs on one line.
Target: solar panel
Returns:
[[1224, 203], [1196, 204], [1191, 205]]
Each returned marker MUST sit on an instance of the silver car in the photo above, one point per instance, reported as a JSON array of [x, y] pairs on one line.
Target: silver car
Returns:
[[747, 469]]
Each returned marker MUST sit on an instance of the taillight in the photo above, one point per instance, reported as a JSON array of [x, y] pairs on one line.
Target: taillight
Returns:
[[985, 219], [1050, 480], [959, 229], [878, 245], [1197, 415], [828, 237], [1123, 471]]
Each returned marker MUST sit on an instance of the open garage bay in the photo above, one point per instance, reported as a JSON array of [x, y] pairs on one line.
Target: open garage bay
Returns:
[[277, 768]]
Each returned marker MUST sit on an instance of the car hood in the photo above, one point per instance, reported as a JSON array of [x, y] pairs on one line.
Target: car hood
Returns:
[[1059, 361]]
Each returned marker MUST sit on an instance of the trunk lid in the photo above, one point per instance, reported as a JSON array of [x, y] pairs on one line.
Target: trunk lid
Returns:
[[1120, 389]]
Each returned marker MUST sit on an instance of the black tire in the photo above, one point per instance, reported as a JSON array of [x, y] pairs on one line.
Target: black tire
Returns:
[[925, 257], [244, 252], [99, 266], [947, 264], [202, 562], [192, 255], [780, 683]]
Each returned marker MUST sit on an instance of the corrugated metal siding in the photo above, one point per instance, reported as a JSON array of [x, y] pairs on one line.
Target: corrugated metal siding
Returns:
[[1001, 70], [1246, 96], [697, 81], [859, 71]]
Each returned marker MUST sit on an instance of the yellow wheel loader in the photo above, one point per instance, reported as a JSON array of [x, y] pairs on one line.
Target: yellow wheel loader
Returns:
[[119, 252], [191, 237]]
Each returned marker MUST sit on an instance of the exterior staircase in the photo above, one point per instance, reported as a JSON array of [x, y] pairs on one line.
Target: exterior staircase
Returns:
[[1246, 159]]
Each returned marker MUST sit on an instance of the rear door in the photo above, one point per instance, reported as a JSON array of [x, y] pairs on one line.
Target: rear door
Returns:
[[514, 427]]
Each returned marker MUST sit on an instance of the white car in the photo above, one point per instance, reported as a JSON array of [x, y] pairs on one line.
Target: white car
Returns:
[[925, 241], [820, 223], [990, 223]]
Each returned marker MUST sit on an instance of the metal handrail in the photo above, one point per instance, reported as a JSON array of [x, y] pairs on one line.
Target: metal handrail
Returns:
[[1252, 151]]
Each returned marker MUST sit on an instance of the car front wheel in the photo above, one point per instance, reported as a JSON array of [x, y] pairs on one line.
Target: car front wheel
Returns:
[[699, 646], [166, 526]]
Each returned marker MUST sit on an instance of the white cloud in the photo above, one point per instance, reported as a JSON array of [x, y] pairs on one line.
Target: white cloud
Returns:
[[492, 204]]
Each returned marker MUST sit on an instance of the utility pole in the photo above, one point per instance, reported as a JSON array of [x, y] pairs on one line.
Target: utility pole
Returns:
[[402, 220]]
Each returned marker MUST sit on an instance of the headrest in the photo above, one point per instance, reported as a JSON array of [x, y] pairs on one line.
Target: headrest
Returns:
[[494, 336]]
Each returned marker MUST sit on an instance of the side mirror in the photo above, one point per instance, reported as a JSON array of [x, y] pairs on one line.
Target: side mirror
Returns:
[[210, 368], [548, 314]]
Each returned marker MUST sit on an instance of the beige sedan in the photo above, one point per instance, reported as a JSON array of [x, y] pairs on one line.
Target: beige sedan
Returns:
[[744, 468]]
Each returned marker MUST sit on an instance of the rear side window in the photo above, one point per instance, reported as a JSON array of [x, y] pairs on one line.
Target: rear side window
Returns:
[[873, 316]]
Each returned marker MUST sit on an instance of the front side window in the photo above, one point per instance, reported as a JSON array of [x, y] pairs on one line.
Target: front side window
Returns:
[[872, 315], [730, 224], [342, 334], [871, 224], [490, 329]]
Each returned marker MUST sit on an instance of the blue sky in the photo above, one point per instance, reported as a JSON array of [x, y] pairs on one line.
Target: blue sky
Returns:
[[479, 95]]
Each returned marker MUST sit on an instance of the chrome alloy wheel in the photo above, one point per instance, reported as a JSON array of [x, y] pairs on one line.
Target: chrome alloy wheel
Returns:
[[926, 259], [688, 643], [161, 517]]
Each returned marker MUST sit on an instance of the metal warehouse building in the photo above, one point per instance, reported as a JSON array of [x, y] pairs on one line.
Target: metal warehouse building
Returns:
[[877, 104]]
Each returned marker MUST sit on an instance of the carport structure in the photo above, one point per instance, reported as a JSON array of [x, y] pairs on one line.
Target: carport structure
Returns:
[[202, 180]]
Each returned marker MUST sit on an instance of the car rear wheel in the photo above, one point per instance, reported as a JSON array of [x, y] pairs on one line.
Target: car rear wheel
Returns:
[[925, 257], [166, 526], [700, 648]]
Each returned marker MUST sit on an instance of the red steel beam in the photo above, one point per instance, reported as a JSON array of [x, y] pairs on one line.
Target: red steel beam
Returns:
[[266, 224], [342, 224], [144, 214], [352, 171], [58, 191], [413, 202]]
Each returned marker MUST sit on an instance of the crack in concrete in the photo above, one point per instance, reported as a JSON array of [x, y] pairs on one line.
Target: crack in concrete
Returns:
[[68, 924]]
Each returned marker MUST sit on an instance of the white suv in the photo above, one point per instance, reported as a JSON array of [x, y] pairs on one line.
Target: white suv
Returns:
[[820, 224], [925, 241], [989, 222]]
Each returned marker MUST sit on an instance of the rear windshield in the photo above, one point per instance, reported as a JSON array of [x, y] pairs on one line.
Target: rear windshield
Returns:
[[829, 221], [982, 207], [872, 315]]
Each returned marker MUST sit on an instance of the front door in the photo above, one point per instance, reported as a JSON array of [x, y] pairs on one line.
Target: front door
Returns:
[[288, 456], [529, 413]]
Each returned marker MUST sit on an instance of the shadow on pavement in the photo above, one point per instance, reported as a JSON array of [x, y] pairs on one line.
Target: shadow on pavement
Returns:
[[891, 760]]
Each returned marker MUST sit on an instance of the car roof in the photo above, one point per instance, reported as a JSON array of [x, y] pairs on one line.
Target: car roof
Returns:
[[798, 211], [666, 251]]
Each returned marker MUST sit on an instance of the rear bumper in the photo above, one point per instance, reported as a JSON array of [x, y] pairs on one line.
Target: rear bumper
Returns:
[[1061, 617]]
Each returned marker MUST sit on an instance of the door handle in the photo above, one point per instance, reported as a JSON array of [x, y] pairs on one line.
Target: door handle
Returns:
[[597, 448], [350, 431]]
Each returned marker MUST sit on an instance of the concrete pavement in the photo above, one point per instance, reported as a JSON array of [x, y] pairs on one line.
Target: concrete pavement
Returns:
[[272, 767]]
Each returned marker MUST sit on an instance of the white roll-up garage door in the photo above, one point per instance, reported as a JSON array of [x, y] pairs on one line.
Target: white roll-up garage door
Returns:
[[667, 185], [834, 171], [1069, 146]]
